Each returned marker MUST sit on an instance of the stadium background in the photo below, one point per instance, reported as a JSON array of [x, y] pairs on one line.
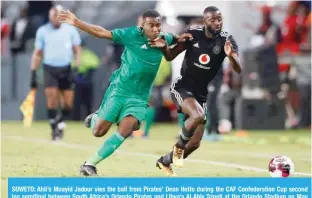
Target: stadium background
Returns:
[[266, 124]]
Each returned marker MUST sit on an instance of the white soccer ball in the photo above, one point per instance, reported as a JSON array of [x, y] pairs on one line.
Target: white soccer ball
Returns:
[[281, 166]]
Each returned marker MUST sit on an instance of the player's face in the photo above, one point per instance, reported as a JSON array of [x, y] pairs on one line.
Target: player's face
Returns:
[[52, 18], [152, 27], [213, 22]]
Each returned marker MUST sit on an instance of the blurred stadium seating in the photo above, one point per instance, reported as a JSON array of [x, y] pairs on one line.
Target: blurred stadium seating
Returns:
[[112, 14]]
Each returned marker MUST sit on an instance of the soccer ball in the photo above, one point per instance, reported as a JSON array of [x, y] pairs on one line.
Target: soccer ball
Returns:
[[281, 166]]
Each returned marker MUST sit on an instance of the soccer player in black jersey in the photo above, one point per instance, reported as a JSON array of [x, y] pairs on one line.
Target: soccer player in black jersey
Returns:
[[206, 47]]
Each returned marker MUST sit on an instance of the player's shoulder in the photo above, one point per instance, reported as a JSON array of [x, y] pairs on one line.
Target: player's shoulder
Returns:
[[134, 30], [130, 29], [44, 28], [224, 34], [196, 28]]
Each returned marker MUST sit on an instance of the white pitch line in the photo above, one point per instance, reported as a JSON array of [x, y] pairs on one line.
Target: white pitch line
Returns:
[[84, 147], [267, 155]]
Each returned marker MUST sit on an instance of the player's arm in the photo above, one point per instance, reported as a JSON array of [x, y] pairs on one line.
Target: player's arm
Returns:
[[171, 53], [231, 50], [77, 54], [234, 60], [36, 57], [76, 40], [95, 30]]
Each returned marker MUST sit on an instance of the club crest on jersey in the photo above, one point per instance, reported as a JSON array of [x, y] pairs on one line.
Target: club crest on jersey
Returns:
[[204, 59], [216, 49]]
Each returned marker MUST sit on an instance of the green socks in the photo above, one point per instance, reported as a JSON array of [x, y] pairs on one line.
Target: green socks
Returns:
[[149, 119], [109, 146]]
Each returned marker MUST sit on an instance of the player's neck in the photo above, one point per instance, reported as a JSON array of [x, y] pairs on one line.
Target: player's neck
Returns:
[[209, 35]]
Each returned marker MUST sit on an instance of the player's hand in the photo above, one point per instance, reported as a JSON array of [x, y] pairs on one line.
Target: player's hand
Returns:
[[65, 16], [158, 42], [228, 48], [184, 37], [33, 81]]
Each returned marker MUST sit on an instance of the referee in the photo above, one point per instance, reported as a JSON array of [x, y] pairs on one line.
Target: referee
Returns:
[[55, 46]]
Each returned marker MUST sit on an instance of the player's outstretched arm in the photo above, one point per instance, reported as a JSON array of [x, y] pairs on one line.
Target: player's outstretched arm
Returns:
[[233, 57], [171, 53], [95, 30]]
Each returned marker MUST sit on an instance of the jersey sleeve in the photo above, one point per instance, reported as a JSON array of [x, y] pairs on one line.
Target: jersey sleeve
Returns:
[[39, 41], [234, 44], [76, 40], [169, 38], [122, 36]]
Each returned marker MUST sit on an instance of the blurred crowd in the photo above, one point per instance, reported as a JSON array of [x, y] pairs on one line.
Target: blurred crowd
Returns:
[[290, 38], [24, 27]]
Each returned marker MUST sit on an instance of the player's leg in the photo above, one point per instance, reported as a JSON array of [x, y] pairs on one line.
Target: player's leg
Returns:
[[196, 116], [67, 97], [52, 97], [100, 123], [125, 128], [195, 140], [52, 94], [66, 88], [131, 115], [190, 147]]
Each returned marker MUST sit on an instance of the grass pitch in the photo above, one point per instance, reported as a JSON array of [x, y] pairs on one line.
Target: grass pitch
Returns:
[[28, 152]]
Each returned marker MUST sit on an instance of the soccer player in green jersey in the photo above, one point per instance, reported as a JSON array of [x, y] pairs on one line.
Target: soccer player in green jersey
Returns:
[[126, 100]]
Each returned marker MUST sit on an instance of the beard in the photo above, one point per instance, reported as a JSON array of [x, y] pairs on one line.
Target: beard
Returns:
[[212, 31]]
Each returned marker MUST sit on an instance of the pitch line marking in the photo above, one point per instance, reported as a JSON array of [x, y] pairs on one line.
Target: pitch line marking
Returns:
[[83, 147]]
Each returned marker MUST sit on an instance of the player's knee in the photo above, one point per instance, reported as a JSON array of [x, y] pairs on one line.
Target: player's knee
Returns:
[[198, 118], [99, 131], [52, 102]]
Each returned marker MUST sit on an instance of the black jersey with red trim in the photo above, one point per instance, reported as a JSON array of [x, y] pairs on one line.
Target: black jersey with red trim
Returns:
[[203, 58]]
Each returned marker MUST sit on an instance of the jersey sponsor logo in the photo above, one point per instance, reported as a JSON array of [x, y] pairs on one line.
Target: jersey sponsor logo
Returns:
[[201, 66], [143, 46], [196, 45], [204, 59], [216, 49]]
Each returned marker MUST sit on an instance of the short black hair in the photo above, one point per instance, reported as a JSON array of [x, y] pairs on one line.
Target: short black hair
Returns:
[[150, 13], [211, 9]]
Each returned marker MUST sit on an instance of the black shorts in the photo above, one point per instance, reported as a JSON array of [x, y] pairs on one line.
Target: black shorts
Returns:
[[179, 93], [60, 77]]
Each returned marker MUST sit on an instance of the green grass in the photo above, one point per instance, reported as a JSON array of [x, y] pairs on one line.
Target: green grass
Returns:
[[29, 152]]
